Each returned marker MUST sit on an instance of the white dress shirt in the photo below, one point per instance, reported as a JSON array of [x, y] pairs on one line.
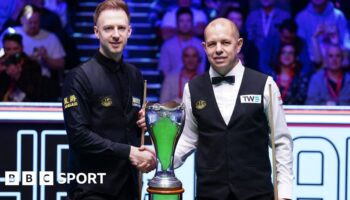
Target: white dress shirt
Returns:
[[226, 102]]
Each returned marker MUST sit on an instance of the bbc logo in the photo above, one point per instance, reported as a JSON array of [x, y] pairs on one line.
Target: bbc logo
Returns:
[[28, 178], [47, 178]]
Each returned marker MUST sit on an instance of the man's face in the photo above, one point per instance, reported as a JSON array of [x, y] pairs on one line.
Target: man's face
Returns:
[[113, 30], [12, 47], [334, 58], [184, 24], [222, 46], [236, 18], [31, 23], [287, 37], [190, 58]]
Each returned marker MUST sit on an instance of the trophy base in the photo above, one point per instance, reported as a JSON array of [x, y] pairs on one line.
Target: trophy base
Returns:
[[164, 182], [165, 194]]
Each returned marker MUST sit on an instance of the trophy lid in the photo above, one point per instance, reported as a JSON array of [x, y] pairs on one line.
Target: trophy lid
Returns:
[[170, 106]]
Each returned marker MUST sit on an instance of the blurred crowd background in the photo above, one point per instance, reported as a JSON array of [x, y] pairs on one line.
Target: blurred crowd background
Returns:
[[303, 44]]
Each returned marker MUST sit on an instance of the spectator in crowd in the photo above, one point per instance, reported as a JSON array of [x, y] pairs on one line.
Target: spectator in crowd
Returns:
[[330, 85], [317, 15], [249, 54], [169, 21], [9, 90], [263, 23], [287, 35], [12, 44], [327, 35], [173, 85], [171, 51], [42, 46], [293, 84], [23, 72], [50, 21], [21, 80]]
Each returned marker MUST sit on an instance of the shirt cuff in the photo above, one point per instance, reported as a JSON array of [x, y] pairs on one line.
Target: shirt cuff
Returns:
[[284, 191]]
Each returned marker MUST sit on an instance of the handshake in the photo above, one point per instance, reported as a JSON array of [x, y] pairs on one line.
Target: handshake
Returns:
[[143, 158]]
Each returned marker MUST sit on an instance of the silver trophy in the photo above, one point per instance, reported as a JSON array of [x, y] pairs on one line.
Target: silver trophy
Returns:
[[165, 124]]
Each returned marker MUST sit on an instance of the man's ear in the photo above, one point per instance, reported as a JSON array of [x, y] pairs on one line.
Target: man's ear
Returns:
[[129, 31], [239, 44], [96, 32]]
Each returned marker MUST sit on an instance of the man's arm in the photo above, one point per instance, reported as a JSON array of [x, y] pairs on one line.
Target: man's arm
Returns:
[[283, 141], [189, 137], [77, 121]]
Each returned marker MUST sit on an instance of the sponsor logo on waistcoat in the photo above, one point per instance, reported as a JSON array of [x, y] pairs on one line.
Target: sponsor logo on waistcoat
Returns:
[[250, 98], [106, 101], [136, 102], [200, 104]]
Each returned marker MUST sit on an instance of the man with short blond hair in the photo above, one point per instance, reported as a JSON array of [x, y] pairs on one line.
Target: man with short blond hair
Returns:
[[101, 105]]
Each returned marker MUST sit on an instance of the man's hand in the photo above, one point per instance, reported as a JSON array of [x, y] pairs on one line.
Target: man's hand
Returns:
[[141, 123], [143, 158]]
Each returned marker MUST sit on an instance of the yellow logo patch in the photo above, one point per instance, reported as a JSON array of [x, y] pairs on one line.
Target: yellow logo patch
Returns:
[[106, 101], [70, 101], [201, 104], [136, 102]]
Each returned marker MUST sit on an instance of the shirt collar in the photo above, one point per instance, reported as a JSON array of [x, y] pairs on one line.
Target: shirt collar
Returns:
[[109, 63], [236, 71]]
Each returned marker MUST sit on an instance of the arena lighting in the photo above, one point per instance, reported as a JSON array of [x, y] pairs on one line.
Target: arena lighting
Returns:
[[31, 112]]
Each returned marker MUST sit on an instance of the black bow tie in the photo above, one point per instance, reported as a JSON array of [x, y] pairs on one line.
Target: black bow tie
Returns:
[[219, 79]]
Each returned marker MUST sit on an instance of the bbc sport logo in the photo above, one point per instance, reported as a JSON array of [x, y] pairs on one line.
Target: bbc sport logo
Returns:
[[47, 178]]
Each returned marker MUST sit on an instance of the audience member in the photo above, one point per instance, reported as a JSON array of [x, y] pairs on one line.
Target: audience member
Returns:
[[51, 22], [169, 21], [287, 35], [12, 44], [42, 46], [173, 85], [22, 72], [170, 54], [249, 54], [327, 35], [293, 84], [330, 85], [23, 81], [263, 23], [319, 14]]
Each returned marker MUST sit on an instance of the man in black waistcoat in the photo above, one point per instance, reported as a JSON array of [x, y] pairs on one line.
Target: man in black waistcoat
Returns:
[[102, 102], [227, 125]]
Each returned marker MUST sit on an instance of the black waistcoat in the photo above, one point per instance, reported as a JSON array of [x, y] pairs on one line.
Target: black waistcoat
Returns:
[[231, 158]]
